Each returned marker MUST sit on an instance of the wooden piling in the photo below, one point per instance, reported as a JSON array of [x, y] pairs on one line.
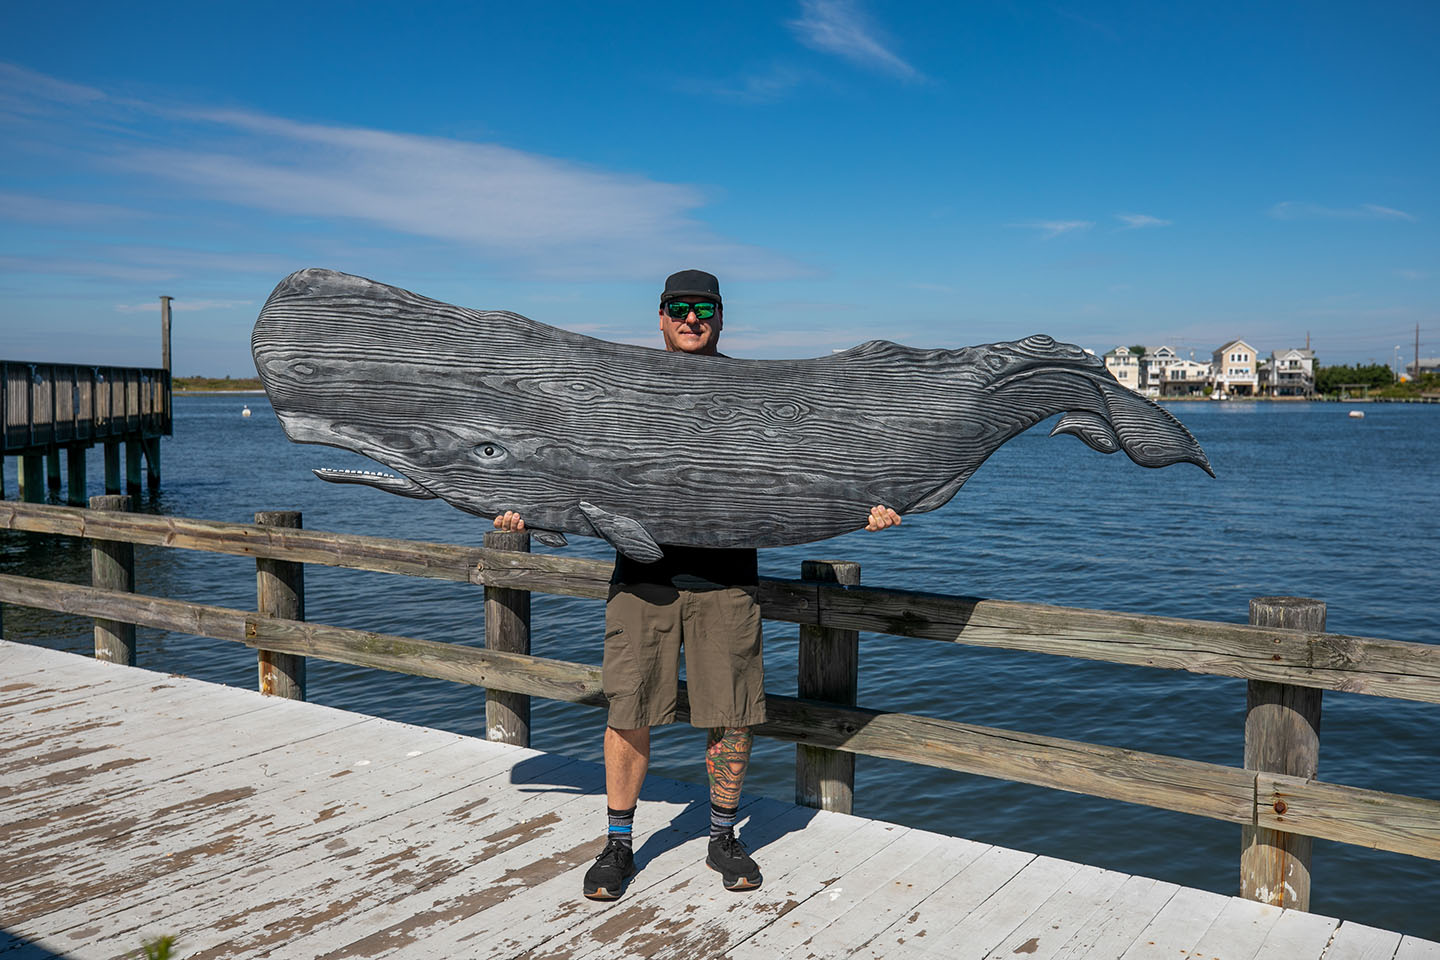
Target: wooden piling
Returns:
[[112, 466], [507, 628], [112, 567], [152, 462], [75, 475], [829, 670], [52, 469], [132, 466], [1282, 735], [280, 593], [32, 478]]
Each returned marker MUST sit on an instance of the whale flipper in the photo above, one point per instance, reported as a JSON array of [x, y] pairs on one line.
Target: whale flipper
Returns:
[[625, 534], [1091, 428], [549, 537]]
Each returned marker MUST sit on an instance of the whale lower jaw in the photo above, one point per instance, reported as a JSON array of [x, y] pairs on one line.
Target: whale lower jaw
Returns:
[[401, 486]]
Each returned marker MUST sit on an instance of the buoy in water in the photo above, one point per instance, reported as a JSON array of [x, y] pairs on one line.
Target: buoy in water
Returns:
[[1358, 414], [246, 411]]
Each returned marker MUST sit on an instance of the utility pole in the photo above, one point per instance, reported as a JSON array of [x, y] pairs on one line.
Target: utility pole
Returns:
[[165, 354], [1417, 352]]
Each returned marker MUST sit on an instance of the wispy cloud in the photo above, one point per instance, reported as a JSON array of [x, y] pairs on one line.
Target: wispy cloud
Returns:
[[531, 212], [1135, 221], [1300, 210], [46, 210], [1049, 229], [761, 85], [841, 28], [182, 305], [1412, 274]]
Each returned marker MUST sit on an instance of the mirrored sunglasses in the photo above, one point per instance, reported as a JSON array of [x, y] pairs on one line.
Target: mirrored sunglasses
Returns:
[[679, 309]]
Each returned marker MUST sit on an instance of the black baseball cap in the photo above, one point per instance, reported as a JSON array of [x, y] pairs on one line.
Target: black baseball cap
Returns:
[[691, 283]]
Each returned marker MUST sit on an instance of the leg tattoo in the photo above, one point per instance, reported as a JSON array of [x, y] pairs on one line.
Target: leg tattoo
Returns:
[[726, 760]]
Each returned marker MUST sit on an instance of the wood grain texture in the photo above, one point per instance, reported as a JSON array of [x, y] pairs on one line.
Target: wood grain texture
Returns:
[[491, 411], [1282, 735], [1369, 665], [507, 629], [280, 592]]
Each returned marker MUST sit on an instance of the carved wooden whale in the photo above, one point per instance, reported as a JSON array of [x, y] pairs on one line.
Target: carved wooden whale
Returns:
[[491, 412]]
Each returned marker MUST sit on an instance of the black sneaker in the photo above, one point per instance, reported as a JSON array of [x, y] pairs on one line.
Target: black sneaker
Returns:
[[728, 858], [607, 876]]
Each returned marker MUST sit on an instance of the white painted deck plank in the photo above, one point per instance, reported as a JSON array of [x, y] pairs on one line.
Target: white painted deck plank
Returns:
[[378, 863], [1356, 941], [1178, 926], [134, 803], [1413, 948], [881, 907], [351, 805], [1238, 931], [521, 897], [1297, 934], [919, 932], [1110, 930], [1045, 932]]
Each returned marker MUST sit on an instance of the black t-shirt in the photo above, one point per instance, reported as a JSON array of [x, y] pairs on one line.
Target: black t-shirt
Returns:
[[691, 568]]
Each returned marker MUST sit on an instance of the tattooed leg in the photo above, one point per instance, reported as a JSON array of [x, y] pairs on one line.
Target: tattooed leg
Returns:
[[726, 760]]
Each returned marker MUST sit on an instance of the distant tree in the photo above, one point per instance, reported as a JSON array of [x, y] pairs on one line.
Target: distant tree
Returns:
[[1138, 351], [1372, 375]]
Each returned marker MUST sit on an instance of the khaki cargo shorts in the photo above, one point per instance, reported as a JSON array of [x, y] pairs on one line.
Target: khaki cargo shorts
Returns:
[[647, 624]]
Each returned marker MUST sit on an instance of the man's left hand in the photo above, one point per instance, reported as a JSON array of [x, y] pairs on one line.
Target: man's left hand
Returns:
[[882, 517]]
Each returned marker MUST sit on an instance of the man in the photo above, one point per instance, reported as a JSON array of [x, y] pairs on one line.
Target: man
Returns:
[[704, 602]]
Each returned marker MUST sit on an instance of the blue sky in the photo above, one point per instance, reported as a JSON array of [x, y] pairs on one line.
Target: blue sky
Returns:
[[939, 174]]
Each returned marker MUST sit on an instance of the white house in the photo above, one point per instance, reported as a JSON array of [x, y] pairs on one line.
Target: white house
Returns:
[[1153, 367], [1186, 378], [1124, 366], [1235, 371], [1291, 373]]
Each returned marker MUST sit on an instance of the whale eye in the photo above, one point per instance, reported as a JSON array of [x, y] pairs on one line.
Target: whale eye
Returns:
[[489, 451]]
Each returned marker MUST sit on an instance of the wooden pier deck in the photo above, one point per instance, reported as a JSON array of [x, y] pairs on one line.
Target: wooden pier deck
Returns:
[[135, 804]]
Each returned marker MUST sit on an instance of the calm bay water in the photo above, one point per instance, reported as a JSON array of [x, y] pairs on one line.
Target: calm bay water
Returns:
[[1308, 502]]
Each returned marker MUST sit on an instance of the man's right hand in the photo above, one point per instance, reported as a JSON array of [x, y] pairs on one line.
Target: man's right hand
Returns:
[[510, 522]]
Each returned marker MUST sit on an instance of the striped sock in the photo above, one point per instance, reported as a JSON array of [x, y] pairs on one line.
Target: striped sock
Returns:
[[722, 820], [622, 823]]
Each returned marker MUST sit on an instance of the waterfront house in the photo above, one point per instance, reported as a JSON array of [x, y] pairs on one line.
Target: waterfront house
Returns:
[[1235, 370], [1153, 367], [1186, 378], [1124, 366], [1290, 373]]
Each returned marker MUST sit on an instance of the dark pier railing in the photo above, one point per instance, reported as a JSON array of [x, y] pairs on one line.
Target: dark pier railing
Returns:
[[47, 408]]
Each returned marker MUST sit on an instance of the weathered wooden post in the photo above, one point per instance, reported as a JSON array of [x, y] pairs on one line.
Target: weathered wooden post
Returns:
[[152, 462], [52, 468], [280, 593], [829, 670], [75, 475], [507, 628], [132, 466], [32, 478], [112, 567], [112, 466], [1282, 735]]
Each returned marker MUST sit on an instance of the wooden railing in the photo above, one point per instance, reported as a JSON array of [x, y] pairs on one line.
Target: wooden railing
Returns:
[[45, 405], [1285, 655]]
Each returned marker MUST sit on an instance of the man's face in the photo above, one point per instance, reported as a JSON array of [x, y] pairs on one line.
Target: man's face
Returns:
[[691, 334]]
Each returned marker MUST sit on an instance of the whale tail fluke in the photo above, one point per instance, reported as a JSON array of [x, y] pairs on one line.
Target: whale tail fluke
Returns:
[[1146, 431]]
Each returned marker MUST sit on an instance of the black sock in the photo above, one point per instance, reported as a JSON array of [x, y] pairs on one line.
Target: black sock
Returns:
[[722, 820], [622, 822]]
